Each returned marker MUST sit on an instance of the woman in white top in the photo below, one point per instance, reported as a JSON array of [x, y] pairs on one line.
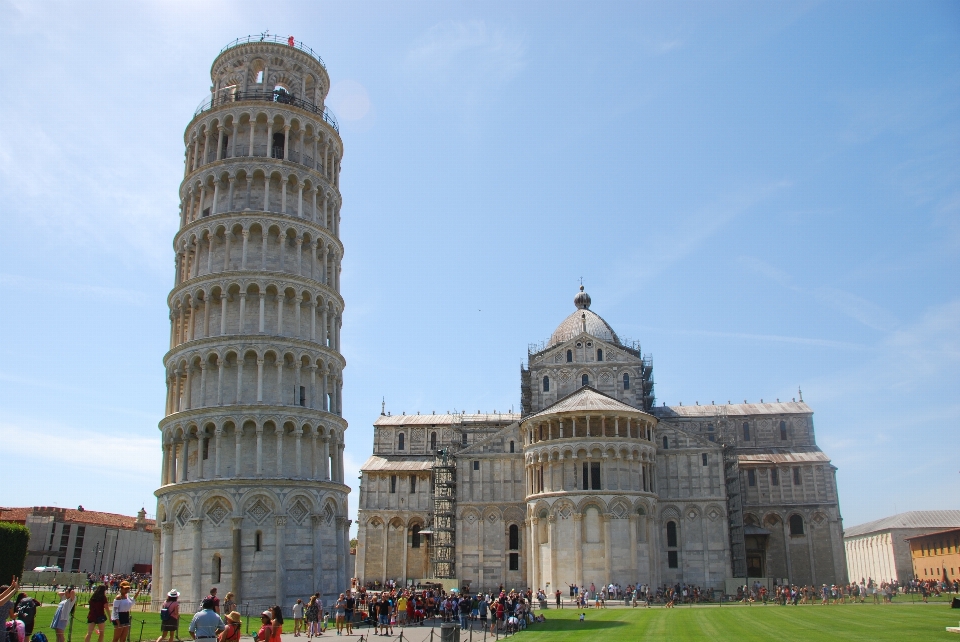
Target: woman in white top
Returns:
[[122, 606]]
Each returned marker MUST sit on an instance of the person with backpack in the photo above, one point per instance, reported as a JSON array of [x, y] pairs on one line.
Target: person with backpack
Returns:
[[15, 630], [6, 592], [27, 612], [97, 614], [170, 617], [64, 612]]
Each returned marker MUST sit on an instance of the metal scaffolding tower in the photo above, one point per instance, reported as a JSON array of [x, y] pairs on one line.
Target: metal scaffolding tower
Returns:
[[731, 471], [444, 515]]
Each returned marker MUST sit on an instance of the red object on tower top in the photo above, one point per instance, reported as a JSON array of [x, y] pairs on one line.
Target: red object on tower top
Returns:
[[290, 41]]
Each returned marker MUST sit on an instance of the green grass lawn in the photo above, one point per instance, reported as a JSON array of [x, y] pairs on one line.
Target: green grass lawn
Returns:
[[899, 622], [746, 624]]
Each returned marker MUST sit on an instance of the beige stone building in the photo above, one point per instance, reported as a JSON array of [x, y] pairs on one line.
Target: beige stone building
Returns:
[[592, 483], [252, 496]]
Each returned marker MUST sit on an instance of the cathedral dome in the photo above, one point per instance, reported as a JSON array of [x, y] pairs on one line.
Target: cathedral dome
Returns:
[[583, 320]]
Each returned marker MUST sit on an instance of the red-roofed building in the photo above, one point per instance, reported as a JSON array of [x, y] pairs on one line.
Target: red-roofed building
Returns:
[[81, 540]]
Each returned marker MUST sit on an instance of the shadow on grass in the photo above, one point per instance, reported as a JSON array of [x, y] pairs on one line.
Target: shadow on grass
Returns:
[[575, 625]]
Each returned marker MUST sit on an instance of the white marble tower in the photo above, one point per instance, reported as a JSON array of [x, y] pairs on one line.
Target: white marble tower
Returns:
[[252, 496]]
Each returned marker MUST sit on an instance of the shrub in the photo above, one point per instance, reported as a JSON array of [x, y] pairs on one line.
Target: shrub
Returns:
[[14, 539]]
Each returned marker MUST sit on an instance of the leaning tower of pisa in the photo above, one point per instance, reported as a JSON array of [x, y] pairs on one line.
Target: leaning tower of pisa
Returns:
[[252, 496]]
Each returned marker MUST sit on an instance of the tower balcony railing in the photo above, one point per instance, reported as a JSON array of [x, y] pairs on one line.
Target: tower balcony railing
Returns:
[[229, 95], [289, 41]]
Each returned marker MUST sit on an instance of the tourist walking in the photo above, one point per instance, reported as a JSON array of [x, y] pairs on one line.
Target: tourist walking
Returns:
[[338, 611], [312, 616], [169, 617], [98, 613], [297, 617]]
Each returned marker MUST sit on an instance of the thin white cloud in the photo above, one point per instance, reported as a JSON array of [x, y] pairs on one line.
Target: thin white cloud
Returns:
[[468, 48], [72, 451]]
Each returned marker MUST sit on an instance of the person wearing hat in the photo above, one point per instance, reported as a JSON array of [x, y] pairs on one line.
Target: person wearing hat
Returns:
[[170, 617], [232, 632], [206, 624], [266, 627]]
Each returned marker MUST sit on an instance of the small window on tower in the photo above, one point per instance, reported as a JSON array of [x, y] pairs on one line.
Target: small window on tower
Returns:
[[546, 384], [258, 541], [569, 356], [797, 480], [476, 464], [703, 459], [599, 354], [514, 561], [413, 484], [774, 477], [783, 431], [206, 448], [751, 477], [415, 537], [393, 483], [259, 77], [400, 443], [665, 443], [585, 380], [626, 381], [746, 431], [433, 441], [511, 447]]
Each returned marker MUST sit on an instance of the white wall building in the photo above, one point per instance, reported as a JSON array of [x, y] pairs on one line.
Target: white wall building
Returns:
[[877, 550]]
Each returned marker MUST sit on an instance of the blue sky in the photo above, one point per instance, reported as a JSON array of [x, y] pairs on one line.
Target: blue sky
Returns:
[[766, 195]]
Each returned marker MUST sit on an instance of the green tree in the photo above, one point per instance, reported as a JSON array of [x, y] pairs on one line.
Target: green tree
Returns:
[[14, 539]]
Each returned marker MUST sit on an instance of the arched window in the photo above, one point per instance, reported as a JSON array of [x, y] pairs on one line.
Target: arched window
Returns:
[[259, 78], [546, 384], [258, 541], [511, 447], [626, 381], [599, 354], [215, 571], [672, 534], [585, 380], [746, 431], [415, 537], [514, 537], [569, 356], [400, 441], [433, 441], [796, 525], [783, 431], [665, 444]]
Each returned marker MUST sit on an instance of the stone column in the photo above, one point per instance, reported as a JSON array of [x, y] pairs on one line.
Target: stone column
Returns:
[[259, 450], [578, 545], [280, 432], [325, 461], [238, 435], [182, 467], [235, 567], [554, 575], [240, 362], [218, 435], [223, 313], [342, 552], [607, 548], [534, 553], [166, 575], [279, 549], [263, 298], [316, 522], [298, 434], [259, 381], [243, 254], [221, 364], [633, 545], [196, 575]]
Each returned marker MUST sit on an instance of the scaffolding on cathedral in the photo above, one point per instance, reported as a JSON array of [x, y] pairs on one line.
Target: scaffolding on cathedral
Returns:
[[443, 548], [738, 551]]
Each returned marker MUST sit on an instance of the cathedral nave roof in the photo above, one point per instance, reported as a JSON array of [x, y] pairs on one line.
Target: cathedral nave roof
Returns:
[[376, 463]]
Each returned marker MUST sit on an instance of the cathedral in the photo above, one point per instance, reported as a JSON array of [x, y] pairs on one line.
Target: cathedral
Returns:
[[593, 483]]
